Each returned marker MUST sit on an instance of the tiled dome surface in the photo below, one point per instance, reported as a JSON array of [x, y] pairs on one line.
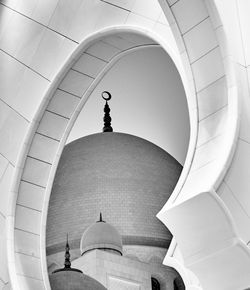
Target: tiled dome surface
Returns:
[[71, 280], [125, 177]]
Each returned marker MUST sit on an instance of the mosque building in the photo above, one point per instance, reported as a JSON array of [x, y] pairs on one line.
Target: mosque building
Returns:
[[162, 225], [112, 172]]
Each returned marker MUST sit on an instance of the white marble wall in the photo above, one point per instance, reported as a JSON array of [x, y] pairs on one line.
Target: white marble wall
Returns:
[[41, 94]]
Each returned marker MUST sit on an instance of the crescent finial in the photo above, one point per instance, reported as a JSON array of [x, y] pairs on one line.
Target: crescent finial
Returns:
[[108, 97]]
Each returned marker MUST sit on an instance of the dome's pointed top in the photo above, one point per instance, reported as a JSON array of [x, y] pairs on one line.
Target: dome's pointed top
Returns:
[[100, 219], [67, 263], [107, 119]]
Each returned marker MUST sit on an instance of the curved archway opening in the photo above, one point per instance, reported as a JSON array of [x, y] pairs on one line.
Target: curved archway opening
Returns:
[[44, 144], [148, 101]]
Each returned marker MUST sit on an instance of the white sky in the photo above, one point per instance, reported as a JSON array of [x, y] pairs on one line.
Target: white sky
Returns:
[[148, 101]]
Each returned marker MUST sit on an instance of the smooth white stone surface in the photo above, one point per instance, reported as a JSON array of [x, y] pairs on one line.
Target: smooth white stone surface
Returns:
[[36, 171], [52, 125], [52, 52], [31, 195], [212, 98], [27, 243], [200, 40], [11, 139], [237, 176], [208, 69], [103, 50], [212, 126], [43, 148], [5, 187], [150, 9], [240, 217], [75, 83], [89, 65], [189, 13], [28, 220], [28, 266]]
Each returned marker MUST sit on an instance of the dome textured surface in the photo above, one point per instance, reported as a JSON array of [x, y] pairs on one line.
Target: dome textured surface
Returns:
[[125, 177], [71, 280], [101, 235]]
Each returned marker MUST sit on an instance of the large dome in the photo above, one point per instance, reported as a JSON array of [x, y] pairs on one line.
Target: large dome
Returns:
[[127, 178], [101, 235]]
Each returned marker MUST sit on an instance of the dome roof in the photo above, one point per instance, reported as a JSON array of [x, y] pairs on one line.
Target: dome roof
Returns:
[[101, 235], [73, 280], [126, 177]]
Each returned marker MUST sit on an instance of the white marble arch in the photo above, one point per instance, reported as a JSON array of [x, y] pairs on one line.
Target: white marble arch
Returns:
[[47, 136], [201, 223]]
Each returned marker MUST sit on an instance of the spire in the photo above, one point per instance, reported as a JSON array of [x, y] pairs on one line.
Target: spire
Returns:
[[107, 119], [67, 262], [100, 219]]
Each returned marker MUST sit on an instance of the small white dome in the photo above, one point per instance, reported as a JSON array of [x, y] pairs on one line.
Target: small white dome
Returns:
[[101, 235]]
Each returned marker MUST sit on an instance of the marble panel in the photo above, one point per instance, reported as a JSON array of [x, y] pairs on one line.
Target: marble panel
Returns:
[[84, 20], [4, 275], [125, 4], [223, 278], [213, 13], [212, 98], [200, 180], [6, 16], [27, 243], [150, 9], [5, 187], [44, 10], [3, 165], [31, 195], [110, 15], [212, 126], [11, 74], [232, 28], [19, 44], [30, 283], [244, 23], [27, 219], [243, 77], [63, 103], [166, 33], [137, 39], [237, 176], [103, 50], [89, 65], [240, 217], [75, 83], [52, 52], [200, 40], [11, 139], [189, 13], [208, 152], [36, 172], [118, 41], [52, 125], [28, 266], [208, 69], [43, 148], [31, 91], [138, 20], [21, 88], [63, 15]]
